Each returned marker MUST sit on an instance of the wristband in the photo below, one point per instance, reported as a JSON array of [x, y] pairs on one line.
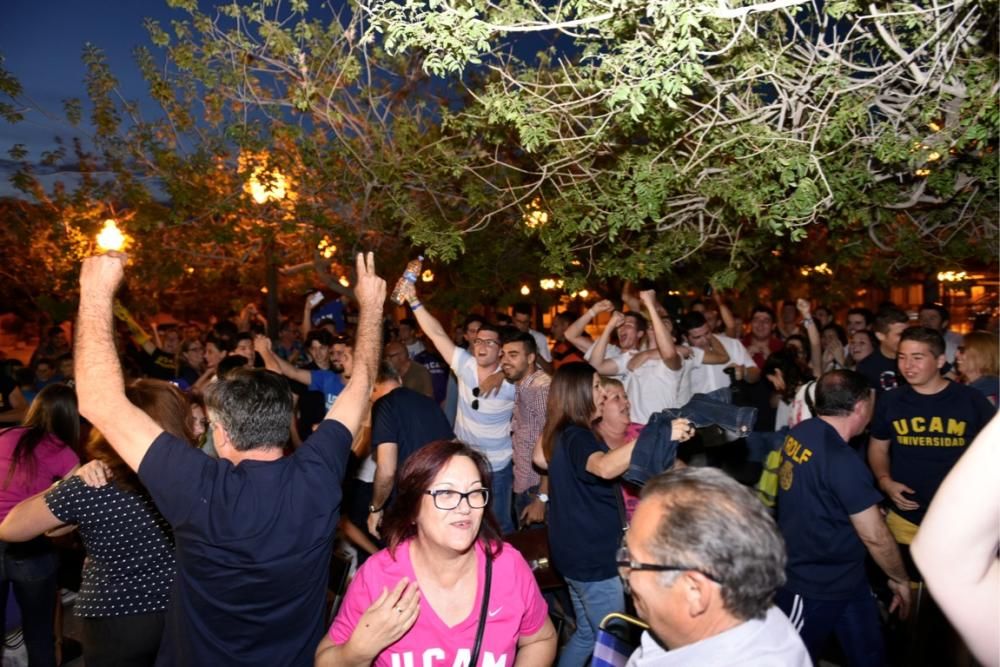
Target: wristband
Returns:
[[543, 497], [807, 321], [415, 305]]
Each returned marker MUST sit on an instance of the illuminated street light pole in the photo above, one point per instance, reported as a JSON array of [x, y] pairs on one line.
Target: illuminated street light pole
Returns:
[[273, 189]]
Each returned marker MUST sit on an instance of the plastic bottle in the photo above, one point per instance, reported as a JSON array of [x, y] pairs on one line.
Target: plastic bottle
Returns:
[[409, 276]]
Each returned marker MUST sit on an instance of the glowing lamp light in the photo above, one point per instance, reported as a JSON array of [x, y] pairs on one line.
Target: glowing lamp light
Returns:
[[535, 216], [819, 268], [952, 276], [525, 290], [583, 294], [110, 237], [263, 290], [427, 276], [326, 247], [274, 188], [344, 281]]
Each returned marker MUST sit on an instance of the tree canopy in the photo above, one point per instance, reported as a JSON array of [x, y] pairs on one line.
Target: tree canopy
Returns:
[[586, 140]]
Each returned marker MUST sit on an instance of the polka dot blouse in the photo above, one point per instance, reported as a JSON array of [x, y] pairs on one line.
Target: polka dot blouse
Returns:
[[130, 551]]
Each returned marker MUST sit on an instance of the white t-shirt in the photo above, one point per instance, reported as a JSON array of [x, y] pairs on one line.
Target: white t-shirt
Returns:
[[486, 429], [415, 348], [654, 386], [542, 343], [709, 377], [772, 642]]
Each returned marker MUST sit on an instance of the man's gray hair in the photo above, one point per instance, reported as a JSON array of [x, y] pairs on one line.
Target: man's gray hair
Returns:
[[713, 523], [254, 406]]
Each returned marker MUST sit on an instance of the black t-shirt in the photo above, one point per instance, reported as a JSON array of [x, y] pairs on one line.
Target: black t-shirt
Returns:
[[881, 372], [821, 482], [585, 528], [927, 434], [253, 549], [159, 365], [409, 419], [439, 371]]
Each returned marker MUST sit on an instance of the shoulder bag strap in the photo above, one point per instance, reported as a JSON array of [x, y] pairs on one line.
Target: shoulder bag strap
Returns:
[[484, 611]]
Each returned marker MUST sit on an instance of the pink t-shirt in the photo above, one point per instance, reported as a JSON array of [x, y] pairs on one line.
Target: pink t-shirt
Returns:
[[516, 609], [630, 492], [53, 460]]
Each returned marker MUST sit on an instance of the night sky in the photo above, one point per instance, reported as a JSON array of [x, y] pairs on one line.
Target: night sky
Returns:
[[43, 40]]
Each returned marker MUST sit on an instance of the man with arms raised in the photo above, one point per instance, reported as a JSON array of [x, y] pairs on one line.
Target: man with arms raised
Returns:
[[253, 530], [483, 420]]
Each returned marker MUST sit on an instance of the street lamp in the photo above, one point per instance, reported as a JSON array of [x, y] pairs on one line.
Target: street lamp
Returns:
[[267, 185]]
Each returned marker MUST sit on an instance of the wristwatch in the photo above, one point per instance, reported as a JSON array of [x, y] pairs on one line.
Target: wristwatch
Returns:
[[375, 510], [543, 497]]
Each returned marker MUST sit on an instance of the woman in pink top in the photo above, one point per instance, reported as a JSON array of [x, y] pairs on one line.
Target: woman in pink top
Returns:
[[32, 456], [418, 602]]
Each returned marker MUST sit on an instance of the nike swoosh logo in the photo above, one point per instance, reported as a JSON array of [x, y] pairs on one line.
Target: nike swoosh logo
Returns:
[[495, 612]]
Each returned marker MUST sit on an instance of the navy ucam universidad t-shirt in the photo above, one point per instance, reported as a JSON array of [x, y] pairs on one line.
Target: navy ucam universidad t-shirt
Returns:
[[822, 481], [927, 434]]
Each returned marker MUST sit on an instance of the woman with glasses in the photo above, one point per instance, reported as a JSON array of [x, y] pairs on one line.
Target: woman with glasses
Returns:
[[585, 519], [423, 600], [190, 361]]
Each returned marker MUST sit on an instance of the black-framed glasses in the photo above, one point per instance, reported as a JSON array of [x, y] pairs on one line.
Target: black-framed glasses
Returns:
[[624, 561], [486, 341], [448, 499], [475, 398]]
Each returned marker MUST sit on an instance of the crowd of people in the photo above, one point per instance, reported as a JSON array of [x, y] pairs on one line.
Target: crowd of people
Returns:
[[221, 465]]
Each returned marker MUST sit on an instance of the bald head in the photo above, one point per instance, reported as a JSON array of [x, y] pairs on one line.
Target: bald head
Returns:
[[397, 355]]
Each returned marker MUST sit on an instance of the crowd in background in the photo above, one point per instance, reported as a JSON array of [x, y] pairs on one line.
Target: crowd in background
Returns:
[[552, 421]]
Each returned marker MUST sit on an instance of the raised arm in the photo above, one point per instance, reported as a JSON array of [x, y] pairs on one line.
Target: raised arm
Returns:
[[139, 335], [962, 525], [307, 322], [352, 403], [664, 339], [575, 332], [272, 362], [630, 298], [597, 360], [433, 330], [100, 387], [726, 315], [815, 347]]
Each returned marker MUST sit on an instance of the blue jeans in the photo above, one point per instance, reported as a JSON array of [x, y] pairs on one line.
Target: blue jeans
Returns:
[[703, 410], [856, 624], [31, 567], [503, 491], [592, 601]]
